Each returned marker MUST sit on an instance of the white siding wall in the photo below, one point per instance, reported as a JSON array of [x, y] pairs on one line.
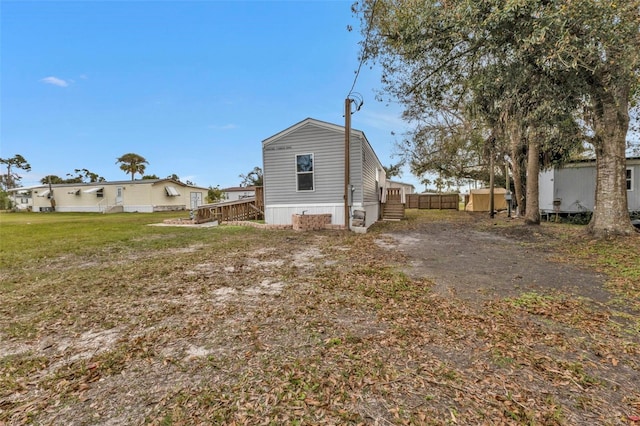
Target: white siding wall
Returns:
[[281, 214], [633, 196], [238, 195], [575, 185], [545, 191]]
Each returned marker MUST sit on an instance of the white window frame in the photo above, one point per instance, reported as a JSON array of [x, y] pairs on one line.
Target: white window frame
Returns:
[[629, 180], [312, 173]]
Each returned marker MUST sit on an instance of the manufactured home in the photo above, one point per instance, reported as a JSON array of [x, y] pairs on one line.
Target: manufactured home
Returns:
[[407, 188], [145, 196], [572, 188], [304, 173], [21, 199], [236, 193]]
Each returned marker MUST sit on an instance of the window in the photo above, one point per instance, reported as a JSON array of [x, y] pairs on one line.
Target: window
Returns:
[[100, 193], [629, 179], [171, 191], [304, 172]]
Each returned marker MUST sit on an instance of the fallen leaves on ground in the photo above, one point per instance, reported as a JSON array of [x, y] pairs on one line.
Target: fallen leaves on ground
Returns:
[[289, 328]]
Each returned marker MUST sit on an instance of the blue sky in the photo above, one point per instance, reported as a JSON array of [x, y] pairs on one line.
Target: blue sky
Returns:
[[193, 86]]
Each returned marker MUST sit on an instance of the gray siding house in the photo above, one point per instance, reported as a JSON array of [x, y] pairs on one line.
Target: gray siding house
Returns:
[[303, 173], [573, 187]]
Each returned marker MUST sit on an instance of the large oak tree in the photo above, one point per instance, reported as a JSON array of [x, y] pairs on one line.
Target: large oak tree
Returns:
[[434, 50]]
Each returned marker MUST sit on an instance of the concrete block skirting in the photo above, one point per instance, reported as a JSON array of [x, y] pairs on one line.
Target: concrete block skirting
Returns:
[[310, 222]]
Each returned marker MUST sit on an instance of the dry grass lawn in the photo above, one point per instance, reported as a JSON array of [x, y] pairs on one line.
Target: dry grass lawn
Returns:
[[105, 320]]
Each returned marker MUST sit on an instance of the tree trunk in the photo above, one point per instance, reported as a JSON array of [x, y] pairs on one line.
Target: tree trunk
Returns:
[[611, 123], [518, 152], [532, 216]]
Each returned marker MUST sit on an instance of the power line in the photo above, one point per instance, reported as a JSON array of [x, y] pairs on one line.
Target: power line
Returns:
[[364, 49]]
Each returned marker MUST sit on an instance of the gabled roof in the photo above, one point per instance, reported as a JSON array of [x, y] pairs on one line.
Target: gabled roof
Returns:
[[311, 122]]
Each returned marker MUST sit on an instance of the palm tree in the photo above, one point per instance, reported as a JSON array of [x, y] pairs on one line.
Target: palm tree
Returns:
[[132, 163]]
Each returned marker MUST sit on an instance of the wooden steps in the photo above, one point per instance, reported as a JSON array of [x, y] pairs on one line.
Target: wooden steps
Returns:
[[393, 210]]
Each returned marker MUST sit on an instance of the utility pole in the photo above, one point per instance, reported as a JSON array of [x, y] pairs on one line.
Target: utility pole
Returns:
[[347, 136]]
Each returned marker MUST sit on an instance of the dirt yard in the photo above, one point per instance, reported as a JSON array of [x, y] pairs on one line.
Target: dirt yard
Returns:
[[428, 321], [481, 265]]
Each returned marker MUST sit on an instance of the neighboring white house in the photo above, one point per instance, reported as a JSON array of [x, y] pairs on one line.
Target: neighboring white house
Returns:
[[145, 196], [572, 188], [304, 172], [236, 193], [21, 199], [407, 187]]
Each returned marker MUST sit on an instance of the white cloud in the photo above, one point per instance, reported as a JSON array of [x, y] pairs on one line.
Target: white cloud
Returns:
[[55, 81]]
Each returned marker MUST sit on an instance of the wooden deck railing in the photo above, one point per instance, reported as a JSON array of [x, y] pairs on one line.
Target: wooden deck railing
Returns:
[[394, 193], [251, 208]]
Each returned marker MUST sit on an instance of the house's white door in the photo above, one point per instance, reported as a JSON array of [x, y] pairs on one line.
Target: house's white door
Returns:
[[196, 200], [119, 195]]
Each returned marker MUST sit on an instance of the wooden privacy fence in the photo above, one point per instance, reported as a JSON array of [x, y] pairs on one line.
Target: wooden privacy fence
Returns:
[[433, 201], [251, 208]]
